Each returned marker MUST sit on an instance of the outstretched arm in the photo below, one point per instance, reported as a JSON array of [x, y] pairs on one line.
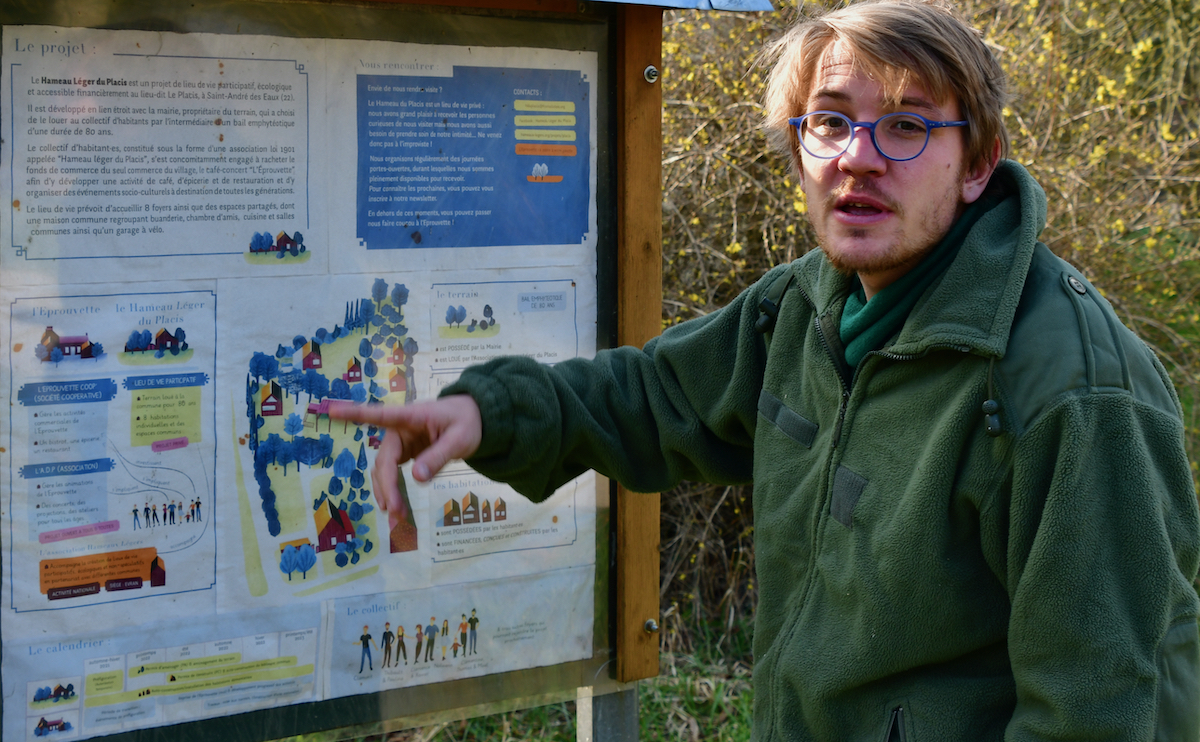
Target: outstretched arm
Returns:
[[429, 433]]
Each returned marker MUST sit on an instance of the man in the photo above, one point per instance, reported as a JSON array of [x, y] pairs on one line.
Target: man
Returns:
[[431, 632], [974, 517], [387, 638], [367, 642]]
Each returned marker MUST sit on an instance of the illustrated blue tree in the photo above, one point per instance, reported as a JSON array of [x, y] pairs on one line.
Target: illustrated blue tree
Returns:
[[97, 350], [379, 291], [399, 295], [286, 455], [56, 356], [339, 388], [366, 314], [306, 559], [134, 342], [298, 342], [364, 348], [410, 350], [283, 352], [450, 314], [147, 339], [289, 561], [181, 336], [335, 486], [358, 393], [361, 463], [261, 242], [370, 368], [293, 425], [357, 479], [315, 384], [308, 451], [263, 366], [344, 464]]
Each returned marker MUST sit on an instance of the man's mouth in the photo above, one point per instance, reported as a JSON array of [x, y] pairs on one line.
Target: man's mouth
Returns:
[[862, 206]]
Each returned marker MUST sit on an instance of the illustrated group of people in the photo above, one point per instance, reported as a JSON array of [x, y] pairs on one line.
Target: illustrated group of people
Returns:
[[170, 513], [425, 637]]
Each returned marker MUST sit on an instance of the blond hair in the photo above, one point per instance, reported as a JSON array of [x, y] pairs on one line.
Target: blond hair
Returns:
[[898, 43]]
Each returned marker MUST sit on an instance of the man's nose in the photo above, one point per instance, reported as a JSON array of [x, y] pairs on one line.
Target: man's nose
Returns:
[[862, 155]]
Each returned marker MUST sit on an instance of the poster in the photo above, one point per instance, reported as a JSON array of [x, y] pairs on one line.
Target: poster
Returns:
[[206, 240]]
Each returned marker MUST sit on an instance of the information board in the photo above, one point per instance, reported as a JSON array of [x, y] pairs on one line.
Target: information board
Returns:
[[207, 238]]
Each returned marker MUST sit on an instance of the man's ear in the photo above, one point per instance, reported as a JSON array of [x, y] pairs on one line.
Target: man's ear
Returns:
[[977, 178]]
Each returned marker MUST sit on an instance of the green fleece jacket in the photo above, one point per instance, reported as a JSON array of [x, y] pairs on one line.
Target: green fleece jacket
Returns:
[[920, 578]]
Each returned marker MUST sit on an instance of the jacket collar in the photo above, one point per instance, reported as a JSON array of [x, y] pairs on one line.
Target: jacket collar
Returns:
[[973, 304]]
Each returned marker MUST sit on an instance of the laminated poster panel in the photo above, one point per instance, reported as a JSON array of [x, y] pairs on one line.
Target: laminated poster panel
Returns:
[[206, 238]]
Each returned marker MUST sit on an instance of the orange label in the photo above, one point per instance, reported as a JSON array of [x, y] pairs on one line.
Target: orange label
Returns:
[[547, 150], [95, 568]]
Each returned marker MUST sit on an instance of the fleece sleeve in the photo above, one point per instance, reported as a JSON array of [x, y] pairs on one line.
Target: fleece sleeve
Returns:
[[682, 407], [1102, 552]]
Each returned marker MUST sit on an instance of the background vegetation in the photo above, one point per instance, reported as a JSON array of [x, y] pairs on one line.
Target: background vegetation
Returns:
[[1105, 113]]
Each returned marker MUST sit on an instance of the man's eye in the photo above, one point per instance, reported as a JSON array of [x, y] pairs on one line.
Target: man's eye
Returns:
[[828, 122], [907, 125]]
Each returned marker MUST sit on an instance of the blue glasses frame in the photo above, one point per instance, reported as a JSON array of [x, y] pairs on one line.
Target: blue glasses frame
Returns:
[[870, 126]]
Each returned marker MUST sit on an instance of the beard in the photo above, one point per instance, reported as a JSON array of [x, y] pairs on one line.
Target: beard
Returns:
[[918, 230]]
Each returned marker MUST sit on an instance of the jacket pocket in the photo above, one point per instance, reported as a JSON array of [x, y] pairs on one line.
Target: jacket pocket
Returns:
[[1178, 685], [794, 426], [847, 488], [896, 731]]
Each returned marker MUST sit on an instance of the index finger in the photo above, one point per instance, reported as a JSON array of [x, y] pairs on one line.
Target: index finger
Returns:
[[369, 414]]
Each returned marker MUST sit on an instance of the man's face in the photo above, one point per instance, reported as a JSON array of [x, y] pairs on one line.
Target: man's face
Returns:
[[873, 216]]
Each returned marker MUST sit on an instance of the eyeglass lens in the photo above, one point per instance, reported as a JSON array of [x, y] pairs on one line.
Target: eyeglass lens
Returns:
[[898, 136]]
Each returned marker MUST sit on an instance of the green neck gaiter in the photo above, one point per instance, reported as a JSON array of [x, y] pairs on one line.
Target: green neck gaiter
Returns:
[[867, 325]]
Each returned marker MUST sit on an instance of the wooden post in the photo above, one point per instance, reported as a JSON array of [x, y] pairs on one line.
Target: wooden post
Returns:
[[639, 314]]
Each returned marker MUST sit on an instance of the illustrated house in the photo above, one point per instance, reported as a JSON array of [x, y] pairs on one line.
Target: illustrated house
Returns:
[[374, 441], [353, 373], [44, 727], [311, 355], [397, 356], [270, 399], [164, 340], [451, 515], [158, 573], [470, 508], [61, 692], [499, 509], [485, 513], [71, 345], [397, 381], [333, 526], [283, 242]]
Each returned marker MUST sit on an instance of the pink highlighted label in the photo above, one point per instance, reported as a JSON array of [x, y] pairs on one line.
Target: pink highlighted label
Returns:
[[66, 534], [169, 444]]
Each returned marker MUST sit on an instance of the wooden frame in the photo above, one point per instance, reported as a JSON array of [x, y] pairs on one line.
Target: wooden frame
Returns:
[[639, 315]]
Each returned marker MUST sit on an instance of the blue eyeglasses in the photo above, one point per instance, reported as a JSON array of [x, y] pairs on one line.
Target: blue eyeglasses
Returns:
[[898, 136]]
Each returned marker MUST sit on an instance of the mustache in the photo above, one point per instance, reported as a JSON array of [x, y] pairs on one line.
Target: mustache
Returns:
[[852, 187]]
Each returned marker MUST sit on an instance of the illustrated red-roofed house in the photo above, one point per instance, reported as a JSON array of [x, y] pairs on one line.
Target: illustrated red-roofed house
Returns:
[[311, 355], [353, 373], [164, 340], [333, 526], [71, 345], [270, 399], [283, 242], [396, 380], [397, 356], [58, 725]]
